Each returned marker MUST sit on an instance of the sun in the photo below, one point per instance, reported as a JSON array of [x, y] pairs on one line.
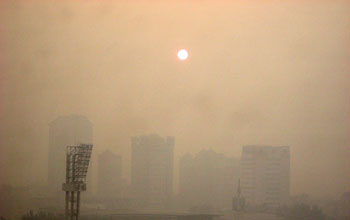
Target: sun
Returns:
[[182, 54]]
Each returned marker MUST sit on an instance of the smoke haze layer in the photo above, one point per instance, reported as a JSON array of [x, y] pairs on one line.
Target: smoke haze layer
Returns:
[[259, 72]]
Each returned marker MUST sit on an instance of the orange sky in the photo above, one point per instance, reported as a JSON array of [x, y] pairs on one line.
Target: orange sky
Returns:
[[259, 72]]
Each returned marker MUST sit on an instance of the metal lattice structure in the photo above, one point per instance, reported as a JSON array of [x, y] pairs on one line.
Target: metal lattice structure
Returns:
[[77, 164]]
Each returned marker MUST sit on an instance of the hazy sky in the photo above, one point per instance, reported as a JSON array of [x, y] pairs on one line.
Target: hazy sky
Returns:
[[259, 72]]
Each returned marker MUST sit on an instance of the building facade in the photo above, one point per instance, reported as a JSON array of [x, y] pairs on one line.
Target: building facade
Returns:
[[207, 181], [152, 171], [109, 183], [265, 175], [65, 131]]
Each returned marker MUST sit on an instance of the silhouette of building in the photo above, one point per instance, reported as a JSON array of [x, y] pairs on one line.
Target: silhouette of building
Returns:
[[17, 200], [65, 131], [152, 170], [207, 181], [265, 175], [109, 175], [344, 207], [186, 182]]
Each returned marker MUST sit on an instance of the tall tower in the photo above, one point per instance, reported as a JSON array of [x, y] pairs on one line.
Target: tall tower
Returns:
[[65, 131], [152, 170]]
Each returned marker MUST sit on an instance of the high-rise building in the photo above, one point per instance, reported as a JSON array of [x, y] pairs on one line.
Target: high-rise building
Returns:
[[152, 170], [65, 131], [207, 181], [109, 175], [265, 175]]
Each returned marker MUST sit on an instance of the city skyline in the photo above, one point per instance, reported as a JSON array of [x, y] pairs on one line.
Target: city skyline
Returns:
[[126, 173]]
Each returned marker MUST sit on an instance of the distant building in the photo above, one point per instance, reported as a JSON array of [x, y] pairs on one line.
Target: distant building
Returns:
[[344, 207], [207, 181], [186, 170], [65, 131], [265, 175], [18, 200], [152, 170], [109, 175]]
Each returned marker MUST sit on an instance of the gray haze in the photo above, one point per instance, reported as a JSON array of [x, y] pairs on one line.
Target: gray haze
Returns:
[[259, 72]]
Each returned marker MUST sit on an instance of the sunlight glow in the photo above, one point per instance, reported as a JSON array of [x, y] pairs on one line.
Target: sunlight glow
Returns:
[[182, 54]]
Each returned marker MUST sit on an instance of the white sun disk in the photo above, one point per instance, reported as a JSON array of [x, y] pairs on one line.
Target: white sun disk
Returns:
[[182, 54]]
